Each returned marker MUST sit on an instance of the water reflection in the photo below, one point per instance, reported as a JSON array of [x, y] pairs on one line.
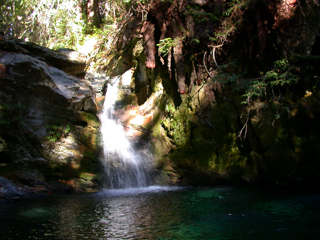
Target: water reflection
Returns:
[[135, 213], [74, 219], [165, 213]]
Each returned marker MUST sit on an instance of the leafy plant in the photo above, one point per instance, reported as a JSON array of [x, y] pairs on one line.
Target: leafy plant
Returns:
[[170, 108], [199, 16], [56, 23], [166, 45], [56, 132], [269, 88], [232, 17], [281, 75]]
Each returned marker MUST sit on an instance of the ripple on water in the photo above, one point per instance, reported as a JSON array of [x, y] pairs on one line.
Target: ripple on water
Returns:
[[165, 213]]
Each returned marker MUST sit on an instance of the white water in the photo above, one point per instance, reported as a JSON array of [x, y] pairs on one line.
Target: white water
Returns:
[[125, 167], [136, 191]]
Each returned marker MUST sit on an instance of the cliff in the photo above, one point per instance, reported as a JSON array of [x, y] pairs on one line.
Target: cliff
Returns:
[[232, 88], [225, 92]]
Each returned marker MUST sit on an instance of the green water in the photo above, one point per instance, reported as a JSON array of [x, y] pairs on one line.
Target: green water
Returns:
[[166, 213]]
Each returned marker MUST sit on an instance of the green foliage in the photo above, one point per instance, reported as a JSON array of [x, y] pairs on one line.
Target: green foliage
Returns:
[[281, 75], [234, 6], [175, 124], [14, 20], [57, 132], [56, 23], [176, 129], [170, 108], [178, 132], [199, 16], [197, 41], [166, 45], [230, 21], [49, 23], [228, 74], [269, 89], [59, 23]]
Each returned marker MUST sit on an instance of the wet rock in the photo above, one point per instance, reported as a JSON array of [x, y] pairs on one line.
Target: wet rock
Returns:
[[90, 105], [8, 190]]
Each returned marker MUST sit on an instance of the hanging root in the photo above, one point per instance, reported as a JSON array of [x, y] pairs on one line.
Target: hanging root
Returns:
[[244, 130]]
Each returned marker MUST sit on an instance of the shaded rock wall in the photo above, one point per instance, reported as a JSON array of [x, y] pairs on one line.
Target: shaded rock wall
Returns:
[[209, 136], [49, 131]]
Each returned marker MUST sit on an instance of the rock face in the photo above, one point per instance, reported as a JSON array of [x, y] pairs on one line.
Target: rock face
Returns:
[[67, 60], [9, 190], [210, 136], [49, 131]]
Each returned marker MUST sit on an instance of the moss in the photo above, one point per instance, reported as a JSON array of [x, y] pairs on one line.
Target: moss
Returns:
[[176, 123], [56, 132], [138, 49], [127, 100], [89, 118], [88, 176]]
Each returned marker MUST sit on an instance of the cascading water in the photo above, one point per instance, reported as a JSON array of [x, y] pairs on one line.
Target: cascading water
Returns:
[[125, 167]]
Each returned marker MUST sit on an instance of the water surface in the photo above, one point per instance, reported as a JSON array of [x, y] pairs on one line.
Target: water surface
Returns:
[[166, 213]]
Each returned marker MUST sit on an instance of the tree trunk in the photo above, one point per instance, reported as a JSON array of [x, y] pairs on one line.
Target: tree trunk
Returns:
[[91, 10], [96, 14]]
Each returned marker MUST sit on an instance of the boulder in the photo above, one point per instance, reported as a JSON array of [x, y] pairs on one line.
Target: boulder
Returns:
[[8, 190], [69, 61], [44, 136]]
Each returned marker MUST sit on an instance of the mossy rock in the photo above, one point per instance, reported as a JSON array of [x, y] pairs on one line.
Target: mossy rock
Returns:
[[89, 119]]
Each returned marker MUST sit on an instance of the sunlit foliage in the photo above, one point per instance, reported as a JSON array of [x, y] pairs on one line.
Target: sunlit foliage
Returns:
[[58, 23], [53, 23]]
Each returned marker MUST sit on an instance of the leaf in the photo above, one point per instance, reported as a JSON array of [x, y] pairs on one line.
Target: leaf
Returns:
[[197, 41]]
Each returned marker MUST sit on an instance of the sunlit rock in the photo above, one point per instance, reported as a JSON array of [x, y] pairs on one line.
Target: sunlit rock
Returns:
[[45, 121], [72, 63]]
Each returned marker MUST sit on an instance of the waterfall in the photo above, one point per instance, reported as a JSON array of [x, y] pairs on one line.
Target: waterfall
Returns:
[[125, 166]]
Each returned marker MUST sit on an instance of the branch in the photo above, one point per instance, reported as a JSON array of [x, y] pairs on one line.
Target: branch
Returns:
[[245, 127], [213, 53]]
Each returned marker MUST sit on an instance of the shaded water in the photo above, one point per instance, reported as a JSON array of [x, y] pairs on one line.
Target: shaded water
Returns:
[[166, 213]]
